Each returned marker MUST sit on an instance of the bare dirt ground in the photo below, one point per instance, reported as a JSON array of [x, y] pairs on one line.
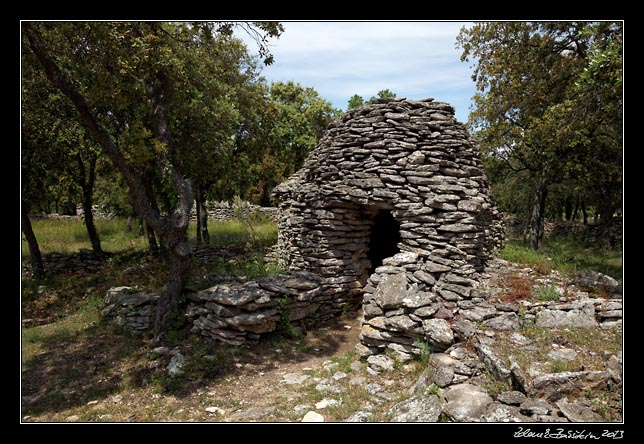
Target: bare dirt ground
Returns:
[[84, 370], [100, 376]]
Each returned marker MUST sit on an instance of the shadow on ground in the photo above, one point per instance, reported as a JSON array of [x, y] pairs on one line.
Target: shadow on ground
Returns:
[[74, 369]]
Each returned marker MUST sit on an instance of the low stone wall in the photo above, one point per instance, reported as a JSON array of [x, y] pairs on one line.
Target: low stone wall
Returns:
[[130, 308], [234, 312], [57, 263], [226, 211], [399, 312]]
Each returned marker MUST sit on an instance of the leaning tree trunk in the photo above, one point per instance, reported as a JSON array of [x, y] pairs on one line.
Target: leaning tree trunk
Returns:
[[171, 230], [34, 250], [87, 186], [534, 231]]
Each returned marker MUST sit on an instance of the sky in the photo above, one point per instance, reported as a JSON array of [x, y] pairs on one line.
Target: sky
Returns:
[[416, 60]]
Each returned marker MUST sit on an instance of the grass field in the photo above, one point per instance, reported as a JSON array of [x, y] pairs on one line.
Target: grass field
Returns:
[[566, 255], [70, 235]]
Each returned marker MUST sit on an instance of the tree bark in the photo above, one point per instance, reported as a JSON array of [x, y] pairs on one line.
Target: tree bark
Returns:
[[153, 245], [198, 211], [37, 266], [576, 210], [584, 212], [173, 230], [87, 186], [534, 230], [202, 216], [568, 209]]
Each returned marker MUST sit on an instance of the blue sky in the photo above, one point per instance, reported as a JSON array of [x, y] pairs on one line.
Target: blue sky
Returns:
[[415, 60]]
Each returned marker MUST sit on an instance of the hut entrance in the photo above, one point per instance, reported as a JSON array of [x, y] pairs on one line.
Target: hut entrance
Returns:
[[384, 238]]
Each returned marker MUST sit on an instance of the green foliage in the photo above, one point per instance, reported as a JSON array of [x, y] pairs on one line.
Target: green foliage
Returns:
[[384, 94], [355, 101], [235, 232], [69, 236], [284, 325], [425, 352], [559, 366], [212, 87], [295, 117], [548, 293], [566, 254], [494, 386], [548, 111], [515, 251], [81, 322]]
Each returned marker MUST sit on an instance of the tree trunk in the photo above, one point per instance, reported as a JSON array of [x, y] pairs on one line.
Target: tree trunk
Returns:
[[152, 240], [198, 211], [128, 224], [34, 250], [534, 230], [568, 209], [606, 212], [87, 186], [584, 212], [172, 230], [202, 215], [576, 210], [156, 247], [179, 253]]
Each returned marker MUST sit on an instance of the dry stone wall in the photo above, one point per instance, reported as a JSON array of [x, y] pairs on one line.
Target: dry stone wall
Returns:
[[239, 312], [226, 211], [130, 308], [393, 207]]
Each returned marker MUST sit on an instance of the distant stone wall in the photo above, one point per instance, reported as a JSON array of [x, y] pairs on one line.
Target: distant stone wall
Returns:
[[226, 211]]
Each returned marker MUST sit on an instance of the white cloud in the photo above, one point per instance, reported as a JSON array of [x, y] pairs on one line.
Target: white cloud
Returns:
[[339, 59]]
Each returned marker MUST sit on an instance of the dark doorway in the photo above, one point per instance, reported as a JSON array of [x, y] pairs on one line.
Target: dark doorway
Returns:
[[383, 242]]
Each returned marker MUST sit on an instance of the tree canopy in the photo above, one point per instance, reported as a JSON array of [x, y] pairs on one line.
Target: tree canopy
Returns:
[[140, 89], [357, 100], [548, 114]]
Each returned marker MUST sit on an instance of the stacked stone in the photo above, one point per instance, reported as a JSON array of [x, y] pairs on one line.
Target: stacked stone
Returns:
[[83, 261], [414, 159], [131, 309], [235, 313], [226, 211]]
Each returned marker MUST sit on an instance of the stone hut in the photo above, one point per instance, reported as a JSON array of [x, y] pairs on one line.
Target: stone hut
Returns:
[[392, 209]]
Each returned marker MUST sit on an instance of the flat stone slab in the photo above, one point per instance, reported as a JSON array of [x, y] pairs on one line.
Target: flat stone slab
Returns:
[[391, 291], [579, 318], [512, 397], [416, 410], [313, 417], [294, 378], [466, 402], [554, 386], [577, 412], [498, 412]]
